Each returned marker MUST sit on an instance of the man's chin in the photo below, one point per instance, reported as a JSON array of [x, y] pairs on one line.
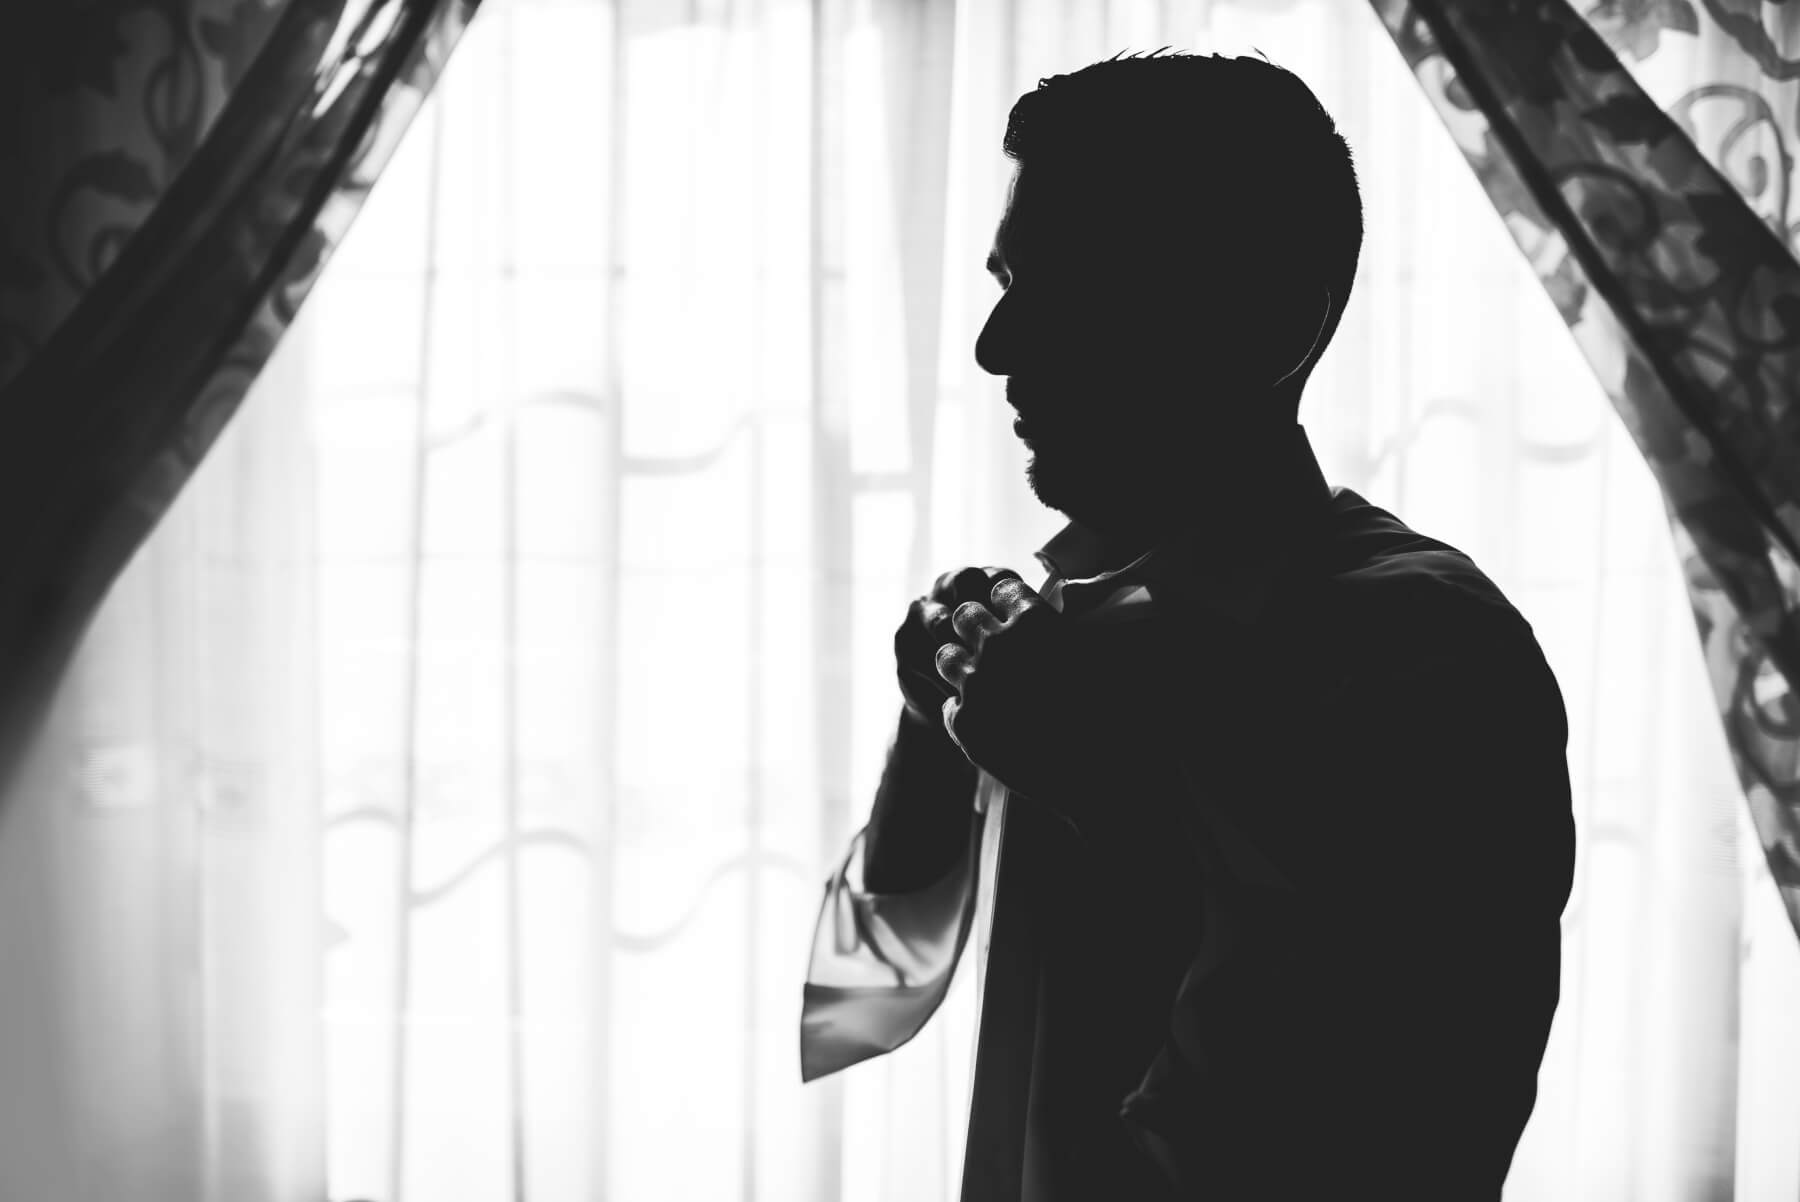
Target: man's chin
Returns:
[[1077, 491], [1093, 492]]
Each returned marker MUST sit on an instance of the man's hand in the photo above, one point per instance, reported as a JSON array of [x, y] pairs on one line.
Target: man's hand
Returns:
[[928, 627], [1033, 704]]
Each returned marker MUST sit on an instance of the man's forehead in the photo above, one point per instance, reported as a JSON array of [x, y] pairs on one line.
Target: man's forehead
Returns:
[[1004, 231], [1071, 220]]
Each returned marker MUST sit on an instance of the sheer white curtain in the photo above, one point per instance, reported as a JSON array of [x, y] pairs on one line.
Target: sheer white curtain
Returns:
[[438, 809]]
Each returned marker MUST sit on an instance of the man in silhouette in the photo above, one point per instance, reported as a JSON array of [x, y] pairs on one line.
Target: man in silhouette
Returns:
[[1259, 803]]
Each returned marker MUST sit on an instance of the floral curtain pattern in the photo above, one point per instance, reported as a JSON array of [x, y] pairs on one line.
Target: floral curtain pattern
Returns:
[[1678, 279], [180, 174]]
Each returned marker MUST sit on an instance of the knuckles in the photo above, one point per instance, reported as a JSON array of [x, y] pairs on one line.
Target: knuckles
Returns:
[[1006, 591], [969, 610], [969, 620], [939, 630]]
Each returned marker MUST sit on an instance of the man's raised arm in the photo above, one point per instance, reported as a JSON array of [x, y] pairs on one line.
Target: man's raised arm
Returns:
[[901, 903]]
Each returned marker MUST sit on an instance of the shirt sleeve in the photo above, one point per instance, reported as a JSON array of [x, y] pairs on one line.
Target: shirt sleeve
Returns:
[[882, 962]]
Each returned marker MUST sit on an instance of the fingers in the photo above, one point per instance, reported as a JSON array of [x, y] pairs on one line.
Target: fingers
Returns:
[[973, 622], [926, 627], [1012, 598], [967, 584], [945, 629], [996, 575], [944, 588], [916, 641], [952, 708], [970, 584], [937, 622], [955, 663]]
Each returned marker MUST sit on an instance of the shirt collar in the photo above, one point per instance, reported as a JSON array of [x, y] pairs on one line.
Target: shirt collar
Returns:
[[1239, 585]]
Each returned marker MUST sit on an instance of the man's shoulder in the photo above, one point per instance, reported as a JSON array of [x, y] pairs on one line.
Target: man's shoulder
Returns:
[[1383, 592], [1377, 565]]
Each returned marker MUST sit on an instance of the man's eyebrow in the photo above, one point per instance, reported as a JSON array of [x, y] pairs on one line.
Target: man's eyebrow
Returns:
[[994, 265]]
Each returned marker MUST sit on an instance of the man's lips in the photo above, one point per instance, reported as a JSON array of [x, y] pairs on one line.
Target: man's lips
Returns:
[[1028, 431]]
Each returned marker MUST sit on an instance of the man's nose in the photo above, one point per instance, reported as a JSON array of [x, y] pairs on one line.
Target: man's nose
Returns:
[[997, 346]]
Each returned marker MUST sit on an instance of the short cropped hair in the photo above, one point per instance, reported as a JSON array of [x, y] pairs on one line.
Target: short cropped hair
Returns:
[[1236, 142]]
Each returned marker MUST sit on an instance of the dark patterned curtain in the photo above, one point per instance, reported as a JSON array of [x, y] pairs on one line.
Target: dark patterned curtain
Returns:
[[176, 174], [1684, 297]]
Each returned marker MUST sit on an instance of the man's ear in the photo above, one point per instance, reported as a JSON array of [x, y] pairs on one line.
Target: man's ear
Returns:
[[1311, 348]]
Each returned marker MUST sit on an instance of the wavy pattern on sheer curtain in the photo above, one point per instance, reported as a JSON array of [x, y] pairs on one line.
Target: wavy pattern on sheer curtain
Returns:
[[535, 615]]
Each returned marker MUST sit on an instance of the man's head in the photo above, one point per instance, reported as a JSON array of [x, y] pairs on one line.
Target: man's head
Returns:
[[1178, 244]]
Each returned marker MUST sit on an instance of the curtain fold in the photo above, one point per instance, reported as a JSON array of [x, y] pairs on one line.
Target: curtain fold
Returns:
[[1686, 303], [130, 342]]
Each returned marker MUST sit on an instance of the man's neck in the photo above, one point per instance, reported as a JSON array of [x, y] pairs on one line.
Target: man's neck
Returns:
[[1247, 505]]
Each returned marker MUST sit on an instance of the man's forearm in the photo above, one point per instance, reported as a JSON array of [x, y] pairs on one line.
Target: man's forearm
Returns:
[[920, 823], [885, 946]]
